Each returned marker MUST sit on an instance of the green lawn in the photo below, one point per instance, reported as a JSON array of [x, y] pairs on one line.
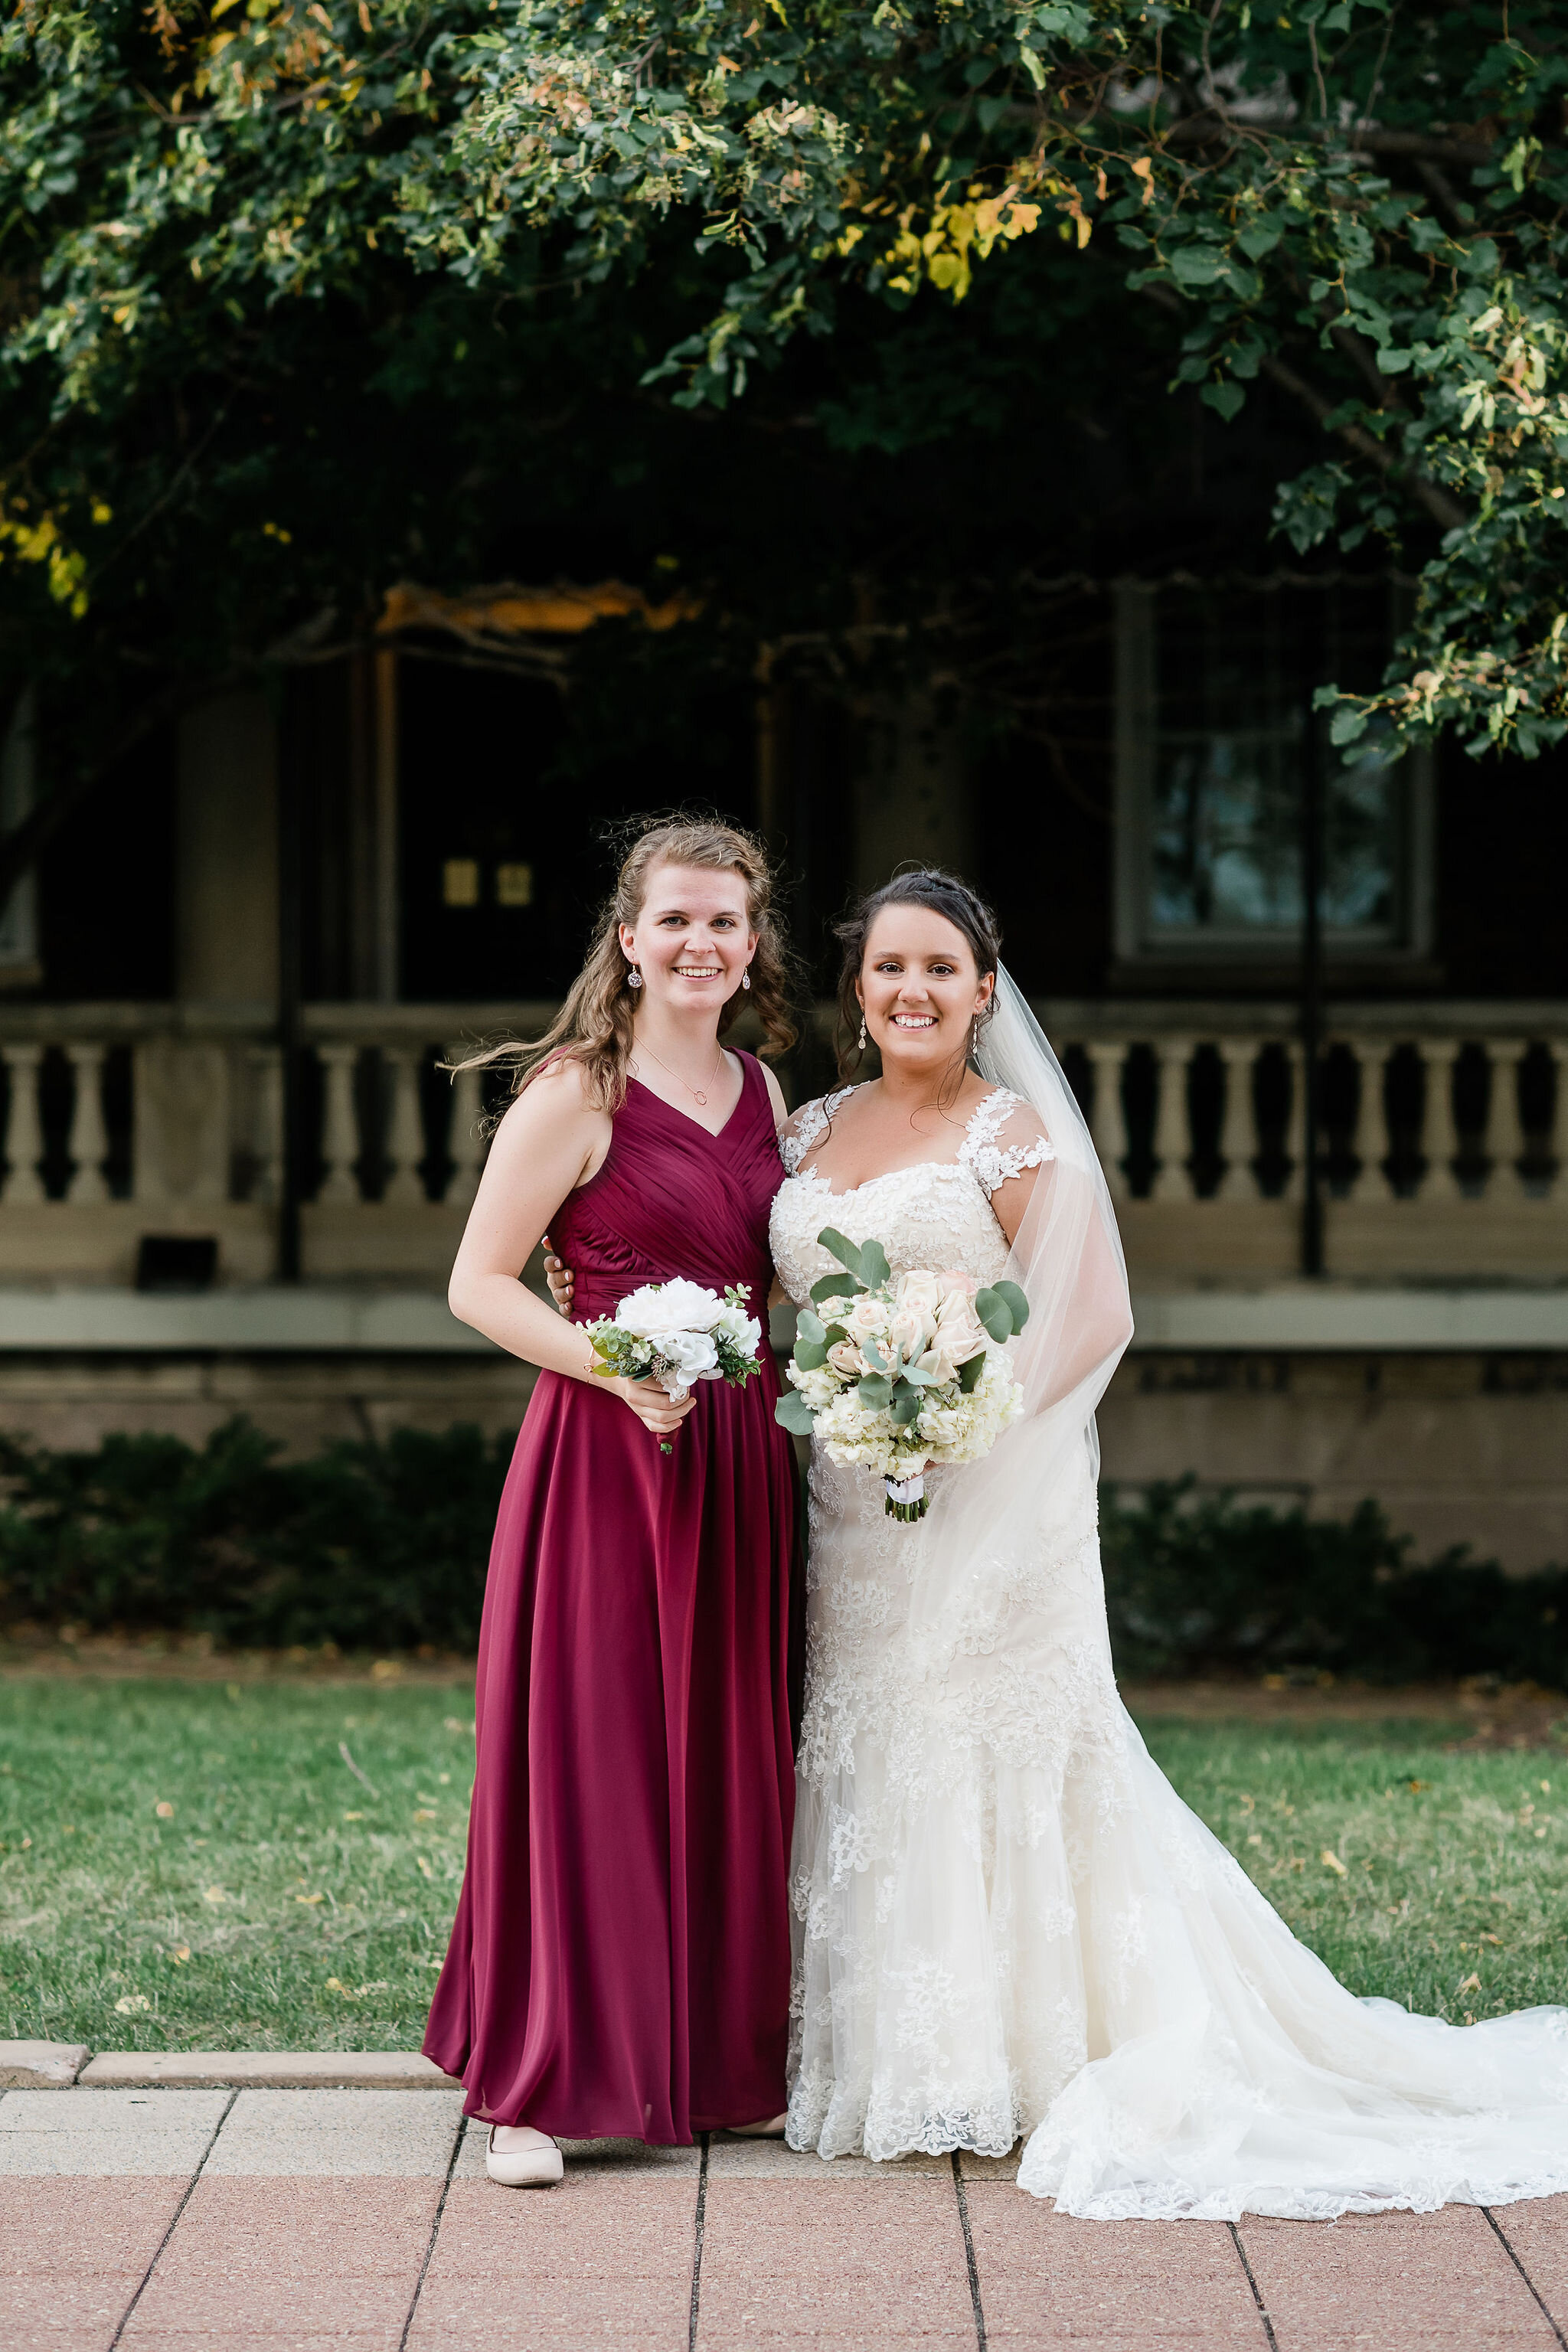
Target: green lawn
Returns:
[[282, 1903]]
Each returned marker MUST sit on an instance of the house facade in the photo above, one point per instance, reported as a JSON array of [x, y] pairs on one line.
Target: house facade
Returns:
[[236, 1170]]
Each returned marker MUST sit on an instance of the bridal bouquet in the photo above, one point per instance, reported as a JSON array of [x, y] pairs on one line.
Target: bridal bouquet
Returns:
[[678, 1332], [896, 1373]]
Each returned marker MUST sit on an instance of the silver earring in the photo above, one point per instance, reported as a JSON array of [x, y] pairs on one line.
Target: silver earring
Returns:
[[634, 977], [745, 980], [862, 1033]]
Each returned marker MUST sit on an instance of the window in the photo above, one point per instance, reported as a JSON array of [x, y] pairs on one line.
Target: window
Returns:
[[1213, 709]]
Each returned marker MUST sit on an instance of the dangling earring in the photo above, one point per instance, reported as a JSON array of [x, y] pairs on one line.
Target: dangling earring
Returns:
[[974, 1039], [634, 977], [862, 1033], [745, 980]]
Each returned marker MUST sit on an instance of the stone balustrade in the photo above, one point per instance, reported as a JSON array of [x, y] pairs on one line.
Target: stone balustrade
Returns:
[[1440, 1136]]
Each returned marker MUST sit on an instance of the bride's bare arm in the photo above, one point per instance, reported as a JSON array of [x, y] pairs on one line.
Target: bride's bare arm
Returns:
[[551, 1139], [1096, 1323]]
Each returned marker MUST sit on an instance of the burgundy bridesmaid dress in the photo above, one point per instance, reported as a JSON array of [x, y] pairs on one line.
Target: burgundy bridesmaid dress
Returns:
[[619, 1964]]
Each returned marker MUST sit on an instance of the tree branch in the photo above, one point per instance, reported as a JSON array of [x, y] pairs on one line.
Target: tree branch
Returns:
[[1439, 503]]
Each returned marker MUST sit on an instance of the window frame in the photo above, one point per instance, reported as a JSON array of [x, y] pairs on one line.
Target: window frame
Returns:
[[1136, 951]]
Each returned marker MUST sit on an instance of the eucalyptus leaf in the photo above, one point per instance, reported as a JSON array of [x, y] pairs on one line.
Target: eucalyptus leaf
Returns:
[[836, 1286], [905, 1405], [994, 1313], [1017, 1304], [809, 1326], [793, 1412], [969, 1373], [847, 1252], [875, 1392], [873, 1268], [810, 1355]]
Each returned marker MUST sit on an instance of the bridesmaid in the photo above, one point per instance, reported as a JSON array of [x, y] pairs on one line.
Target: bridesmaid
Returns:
[[619, 1964]]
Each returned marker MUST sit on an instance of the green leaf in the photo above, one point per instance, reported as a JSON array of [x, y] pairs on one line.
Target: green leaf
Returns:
[[1257, 241], [1225, 399], [810, 1355], [846, 1252], [994, 1313], [970, 1371], [793, 1412], [1017, 1302], [875, 1392], [1347, 725], [808, 1326], [874, 1267], [835, 1286], [905, 1405]]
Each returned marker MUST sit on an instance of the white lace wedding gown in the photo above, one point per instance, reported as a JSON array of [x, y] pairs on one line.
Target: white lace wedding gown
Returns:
[[1007, 1922]]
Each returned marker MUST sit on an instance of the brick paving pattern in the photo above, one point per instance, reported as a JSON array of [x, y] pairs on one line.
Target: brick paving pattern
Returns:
[[361, 2221]]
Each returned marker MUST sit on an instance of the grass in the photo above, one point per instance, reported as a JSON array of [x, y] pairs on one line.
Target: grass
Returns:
[[1435, 1879], [278, 1903]]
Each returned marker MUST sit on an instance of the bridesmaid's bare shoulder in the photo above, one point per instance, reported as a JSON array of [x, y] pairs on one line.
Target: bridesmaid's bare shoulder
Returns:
[[555, 1102], [775, 1097]]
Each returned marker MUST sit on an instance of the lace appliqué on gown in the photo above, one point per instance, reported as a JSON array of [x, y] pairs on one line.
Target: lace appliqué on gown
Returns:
[[1006, 1921]]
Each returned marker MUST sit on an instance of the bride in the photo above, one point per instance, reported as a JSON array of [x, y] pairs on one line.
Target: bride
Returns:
[[1006, 1922]]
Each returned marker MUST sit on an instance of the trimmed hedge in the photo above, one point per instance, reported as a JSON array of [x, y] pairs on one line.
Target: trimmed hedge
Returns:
[[1198, 1585], [383, 1545], [377, 1545]]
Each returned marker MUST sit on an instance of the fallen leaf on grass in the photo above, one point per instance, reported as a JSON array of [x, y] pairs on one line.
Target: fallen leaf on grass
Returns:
[[1331, 1861], [353, 1817], [131, 2004], [424, 1814], [1472, 1984], [424, 1865], [164, 1810], [310, 1899], [214, 1895], [180, 1955]]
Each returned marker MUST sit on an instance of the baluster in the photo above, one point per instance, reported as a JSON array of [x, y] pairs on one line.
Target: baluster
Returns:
[[1296, 1124], [1369, 1135], [1557, 1133], [1108, 1124], [404, 1134], [1238, 1135], [339, 1135], [88, 1144], [267, 1062], [25, 1134], [1505, 1129], [1172, 1134], [1439, 1135], [466, 1147]]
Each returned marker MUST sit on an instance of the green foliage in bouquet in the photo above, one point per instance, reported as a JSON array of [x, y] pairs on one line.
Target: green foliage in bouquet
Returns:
[[894, 1389]]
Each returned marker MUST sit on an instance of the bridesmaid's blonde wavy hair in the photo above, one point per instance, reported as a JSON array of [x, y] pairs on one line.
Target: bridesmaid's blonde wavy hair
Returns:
[[594, 1025]]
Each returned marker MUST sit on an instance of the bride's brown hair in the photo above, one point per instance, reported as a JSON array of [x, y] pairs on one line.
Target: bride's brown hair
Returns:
[[941, 894], [594, 1025]]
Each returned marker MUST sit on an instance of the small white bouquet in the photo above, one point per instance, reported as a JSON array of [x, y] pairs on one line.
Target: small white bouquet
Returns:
[[896, 1373], [677, 1333]]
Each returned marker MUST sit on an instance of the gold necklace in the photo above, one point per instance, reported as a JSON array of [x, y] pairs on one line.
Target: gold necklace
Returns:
[[695, 1092]]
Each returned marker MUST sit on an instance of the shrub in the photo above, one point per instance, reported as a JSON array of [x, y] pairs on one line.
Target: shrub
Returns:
[[376, 1543], [383, 1545], [1202, 1585]]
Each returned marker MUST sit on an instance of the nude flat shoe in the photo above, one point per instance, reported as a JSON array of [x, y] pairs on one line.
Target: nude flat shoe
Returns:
[[533, 2162], [772, 2127]]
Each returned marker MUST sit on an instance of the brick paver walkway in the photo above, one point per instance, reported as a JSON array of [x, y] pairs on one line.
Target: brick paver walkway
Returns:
[[361, 2221]]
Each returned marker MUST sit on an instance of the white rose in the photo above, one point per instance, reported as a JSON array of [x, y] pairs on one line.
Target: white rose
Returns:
[[911, 1331], [847, 1359], [661, 1307], [919, 1289], [743, 1329], [690, 1353], [865, 1318], [960, 1333]]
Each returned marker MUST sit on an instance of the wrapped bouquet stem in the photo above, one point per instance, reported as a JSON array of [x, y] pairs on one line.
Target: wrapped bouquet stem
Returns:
[[896, 1372], [678, 1333]]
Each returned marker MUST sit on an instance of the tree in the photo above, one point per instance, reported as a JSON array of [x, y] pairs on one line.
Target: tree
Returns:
[[266, 267]]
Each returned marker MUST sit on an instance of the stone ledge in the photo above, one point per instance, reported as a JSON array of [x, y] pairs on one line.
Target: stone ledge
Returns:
[[265, 2070], [41, 2065]]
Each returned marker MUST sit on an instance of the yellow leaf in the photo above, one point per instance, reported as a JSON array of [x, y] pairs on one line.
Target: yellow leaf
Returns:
[[1332, 1862], [310, 1899], [214, 1895], [1472, 1984], [165, 1810], [180, 1955]]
